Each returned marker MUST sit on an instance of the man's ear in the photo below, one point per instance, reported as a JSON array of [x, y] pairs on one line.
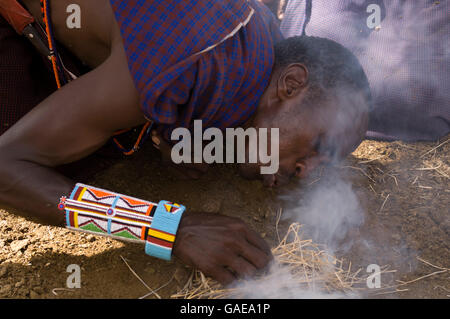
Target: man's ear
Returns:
[[292, 80]]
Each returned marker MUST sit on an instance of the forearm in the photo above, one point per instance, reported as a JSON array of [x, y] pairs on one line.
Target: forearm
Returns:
[[69, 125], [32, 190], [106, 213]]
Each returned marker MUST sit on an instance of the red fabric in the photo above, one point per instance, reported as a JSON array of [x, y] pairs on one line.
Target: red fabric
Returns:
[[15, 14]]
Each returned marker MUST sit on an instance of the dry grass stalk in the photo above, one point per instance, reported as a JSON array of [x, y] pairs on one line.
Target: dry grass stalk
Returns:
[[151, 291], [435, 148], [361, 170], [311, 269], [384, 203], [308, 263]]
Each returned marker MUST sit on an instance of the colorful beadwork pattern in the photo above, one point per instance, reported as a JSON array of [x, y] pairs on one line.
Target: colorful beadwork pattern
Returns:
[[103, 212], [162, 232]]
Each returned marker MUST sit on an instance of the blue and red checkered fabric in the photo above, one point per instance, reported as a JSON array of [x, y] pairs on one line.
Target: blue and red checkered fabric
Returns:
[[198, 59]]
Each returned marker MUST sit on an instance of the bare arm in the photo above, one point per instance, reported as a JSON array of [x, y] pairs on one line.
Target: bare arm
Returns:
[[69, 125], [77, 120]]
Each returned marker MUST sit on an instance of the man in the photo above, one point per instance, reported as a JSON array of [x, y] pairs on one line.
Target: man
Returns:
[[224, 69]]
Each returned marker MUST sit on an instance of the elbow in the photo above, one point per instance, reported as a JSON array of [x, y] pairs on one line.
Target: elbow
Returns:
[[6, 169]]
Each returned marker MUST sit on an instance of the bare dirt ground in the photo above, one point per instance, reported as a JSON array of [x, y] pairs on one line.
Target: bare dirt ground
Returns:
[[403, 188]]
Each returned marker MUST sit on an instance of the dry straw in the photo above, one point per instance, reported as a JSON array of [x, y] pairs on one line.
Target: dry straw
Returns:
[[310, 267]]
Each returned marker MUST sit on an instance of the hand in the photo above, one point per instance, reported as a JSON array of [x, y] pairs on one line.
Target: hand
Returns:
[[222, 247]]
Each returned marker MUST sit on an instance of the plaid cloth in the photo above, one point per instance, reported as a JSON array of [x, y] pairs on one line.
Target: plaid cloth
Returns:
[[198, 59]]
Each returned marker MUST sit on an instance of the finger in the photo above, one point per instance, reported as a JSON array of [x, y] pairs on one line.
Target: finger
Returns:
[[161, 144], [242, 267], [256, 240], [222, 275], [155, 139], [258, 258], [165, 148], [156, 142]]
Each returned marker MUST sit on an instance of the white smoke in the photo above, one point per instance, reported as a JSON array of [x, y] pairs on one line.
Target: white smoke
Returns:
[[279, 283], [329, 210]]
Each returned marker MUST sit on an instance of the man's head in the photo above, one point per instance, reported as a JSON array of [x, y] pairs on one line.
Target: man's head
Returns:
[[319, 98]]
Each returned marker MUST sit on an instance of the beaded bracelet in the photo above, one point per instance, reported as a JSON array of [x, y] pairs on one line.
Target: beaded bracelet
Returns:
[[101, 212]]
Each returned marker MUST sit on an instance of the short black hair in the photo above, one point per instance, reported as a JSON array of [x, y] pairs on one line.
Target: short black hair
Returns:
[[330, 65]]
